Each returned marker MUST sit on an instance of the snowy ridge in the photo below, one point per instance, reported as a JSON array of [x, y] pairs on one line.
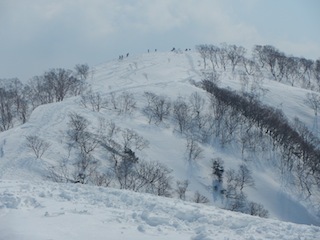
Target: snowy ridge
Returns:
[[45, 210]]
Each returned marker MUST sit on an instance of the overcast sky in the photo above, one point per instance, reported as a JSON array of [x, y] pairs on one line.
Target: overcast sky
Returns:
[[36, 35]]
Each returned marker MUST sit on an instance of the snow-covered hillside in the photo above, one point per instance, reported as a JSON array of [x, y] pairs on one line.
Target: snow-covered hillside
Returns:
[[44, 210], [33, 209]]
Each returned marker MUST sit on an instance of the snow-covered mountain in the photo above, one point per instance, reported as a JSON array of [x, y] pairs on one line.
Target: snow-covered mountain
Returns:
[[33, 207]]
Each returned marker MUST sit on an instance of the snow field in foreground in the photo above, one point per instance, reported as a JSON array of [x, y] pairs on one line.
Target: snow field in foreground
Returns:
[[45, 210]]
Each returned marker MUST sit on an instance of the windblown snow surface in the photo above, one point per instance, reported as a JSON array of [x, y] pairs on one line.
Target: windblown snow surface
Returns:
[[43, 210], [32, 207]]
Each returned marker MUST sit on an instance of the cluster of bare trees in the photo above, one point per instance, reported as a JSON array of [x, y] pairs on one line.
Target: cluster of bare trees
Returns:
[[37, 145], [297, 147], [108, 156], [121, 167], [123, 103], [203, 121], [57, 84], [158, 107], [221, 56], [188, 115], [265, 60], [231, 190], [13, 103], [197, 119], [182, 187], [93, 100], [17, 100], [260, 130], [287, 68]]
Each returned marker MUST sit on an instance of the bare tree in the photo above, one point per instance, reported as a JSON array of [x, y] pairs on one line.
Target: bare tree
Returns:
[[6, 110], [85, 167], [317, 72], [223, 56], [79, 135], [16, 93], [235, 199], [77, 126], [82, 170], [244, 177], [158, 107], [40, 92], [198, 198], [124, 169], [212, 53], [292, 71], [197, 107], [102, 179], [236, 181], [197, 103], [93, 100], [229, 124], [193, 150], [23, 110], [236, 202], [132, 140], [126, 103], [306, 68], [61, 81], [251, 67], [181, 114], [108, 131], [259, 55], [313, 101], [256, 209], [163, 186], [182, 188], [37, 145], [203, 51], [235, 55], [113, 100], [54, 85], [60, 173], [282, 66], [153, 177], [249, 138], [305, 133], [244, 81], [82, 71], [83, 143], [272, 58], [232, 183]]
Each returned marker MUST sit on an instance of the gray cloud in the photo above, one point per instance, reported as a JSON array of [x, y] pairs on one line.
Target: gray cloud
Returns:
[[40, 34]]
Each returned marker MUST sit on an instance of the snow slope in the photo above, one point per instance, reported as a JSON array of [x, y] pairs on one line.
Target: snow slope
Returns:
[[45, 210], [76, 212]]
